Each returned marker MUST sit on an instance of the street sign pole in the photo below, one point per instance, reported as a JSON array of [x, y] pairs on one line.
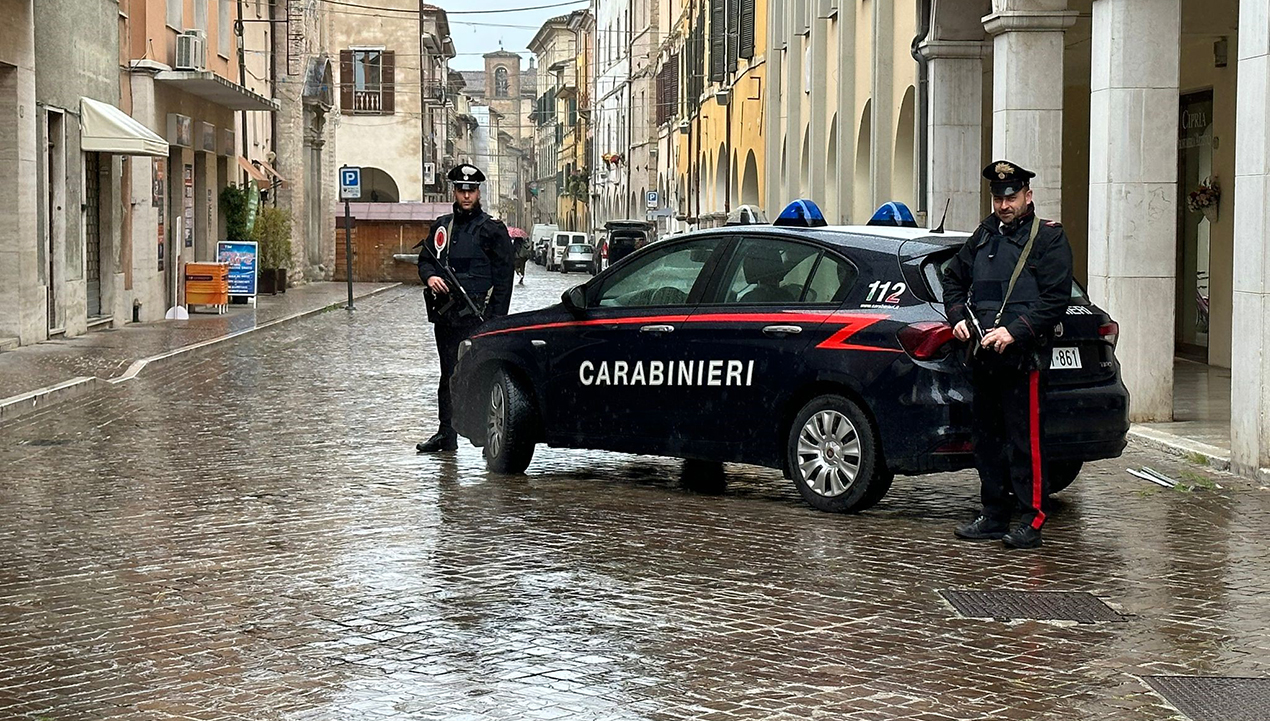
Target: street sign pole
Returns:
[[350, 189]]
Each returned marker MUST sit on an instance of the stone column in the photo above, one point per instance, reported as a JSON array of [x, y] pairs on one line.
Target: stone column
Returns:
[[954, 127], [22, 299], [1250, 361], [1133, 189], [1027, 96]]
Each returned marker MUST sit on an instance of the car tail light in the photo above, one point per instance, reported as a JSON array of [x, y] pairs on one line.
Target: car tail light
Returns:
[[926, 340], [1110, 332], [961, 445]]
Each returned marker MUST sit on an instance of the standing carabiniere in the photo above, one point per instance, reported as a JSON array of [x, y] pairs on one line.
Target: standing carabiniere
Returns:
[[1006, 289], [476, 248]]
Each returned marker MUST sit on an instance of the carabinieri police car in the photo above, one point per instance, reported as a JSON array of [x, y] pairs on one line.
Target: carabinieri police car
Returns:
[[820, 351]]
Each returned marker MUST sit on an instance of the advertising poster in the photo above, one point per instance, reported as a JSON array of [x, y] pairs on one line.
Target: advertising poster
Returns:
[[241, 256], [188, 206], [158, 191]]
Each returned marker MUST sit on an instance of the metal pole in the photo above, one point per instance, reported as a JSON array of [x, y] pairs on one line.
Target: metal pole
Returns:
[[348, 252]]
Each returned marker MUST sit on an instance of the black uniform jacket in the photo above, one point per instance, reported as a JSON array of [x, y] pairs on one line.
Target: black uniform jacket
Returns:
[[979, 274], [479, 251]]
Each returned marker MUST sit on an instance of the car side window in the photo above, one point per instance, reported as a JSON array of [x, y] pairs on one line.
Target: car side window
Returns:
[[832, 280], [661, 277], [768, 271]]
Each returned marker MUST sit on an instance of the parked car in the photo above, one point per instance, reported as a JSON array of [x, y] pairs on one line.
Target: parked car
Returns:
[[625, 237], [559, 242], [820, 351], [541, 235], [578, 256]]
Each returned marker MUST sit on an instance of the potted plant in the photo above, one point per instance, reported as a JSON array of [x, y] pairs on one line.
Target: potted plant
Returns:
[[272, 232], [233, 208], [1205, 198]]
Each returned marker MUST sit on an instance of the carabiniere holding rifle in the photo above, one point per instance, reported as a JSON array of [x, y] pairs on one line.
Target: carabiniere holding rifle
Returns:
[[466, 262]]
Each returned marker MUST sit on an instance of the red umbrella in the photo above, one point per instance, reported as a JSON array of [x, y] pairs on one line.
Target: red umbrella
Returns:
[[517, 233]]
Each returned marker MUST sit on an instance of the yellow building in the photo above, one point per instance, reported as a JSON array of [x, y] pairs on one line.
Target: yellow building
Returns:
[[573, 101], [711, 111]]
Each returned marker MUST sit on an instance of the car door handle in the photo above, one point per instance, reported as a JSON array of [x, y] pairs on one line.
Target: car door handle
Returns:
[[782, 329], [656, 329]]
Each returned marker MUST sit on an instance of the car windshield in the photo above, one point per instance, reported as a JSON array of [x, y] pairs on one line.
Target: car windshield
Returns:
[[936, 264]]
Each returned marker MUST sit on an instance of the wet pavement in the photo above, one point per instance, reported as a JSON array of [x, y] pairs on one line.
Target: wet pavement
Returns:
[[248, 534]]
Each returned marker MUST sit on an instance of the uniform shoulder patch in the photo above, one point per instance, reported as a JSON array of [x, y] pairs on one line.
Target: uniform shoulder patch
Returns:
[[1053, 223]]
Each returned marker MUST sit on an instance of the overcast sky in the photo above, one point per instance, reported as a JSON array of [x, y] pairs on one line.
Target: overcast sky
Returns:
[[475, 35]]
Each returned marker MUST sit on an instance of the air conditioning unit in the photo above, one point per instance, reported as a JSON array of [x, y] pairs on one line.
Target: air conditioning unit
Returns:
[[191, 50], [684, 126]]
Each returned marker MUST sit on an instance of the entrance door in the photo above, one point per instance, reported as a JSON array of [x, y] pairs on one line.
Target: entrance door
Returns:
[[1195, 168], [92, 232], [55, 179]]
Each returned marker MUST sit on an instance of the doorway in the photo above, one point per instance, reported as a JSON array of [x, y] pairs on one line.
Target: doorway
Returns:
[[92, 232], [55, 201], [1194, 168]]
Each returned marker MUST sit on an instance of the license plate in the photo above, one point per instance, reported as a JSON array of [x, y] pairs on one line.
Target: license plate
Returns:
[[1065, 359]]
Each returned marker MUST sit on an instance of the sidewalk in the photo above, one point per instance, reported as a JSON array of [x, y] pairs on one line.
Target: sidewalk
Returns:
[[37, 375], [1200, 429]]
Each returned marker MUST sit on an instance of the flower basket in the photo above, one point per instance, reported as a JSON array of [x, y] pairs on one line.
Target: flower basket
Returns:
[[1205, 198]]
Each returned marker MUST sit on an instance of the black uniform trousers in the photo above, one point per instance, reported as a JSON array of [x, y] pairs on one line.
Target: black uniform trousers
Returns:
[[1008, 416], [449, 336]]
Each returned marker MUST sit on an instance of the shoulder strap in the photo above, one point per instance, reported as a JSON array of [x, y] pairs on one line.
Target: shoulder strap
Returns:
[[449, 240], [1018, 267]]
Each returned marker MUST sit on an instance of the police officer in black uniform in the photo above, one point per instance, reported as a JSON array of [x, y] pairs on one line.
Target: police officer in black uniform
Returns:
[[1005, 290], [479, 251]]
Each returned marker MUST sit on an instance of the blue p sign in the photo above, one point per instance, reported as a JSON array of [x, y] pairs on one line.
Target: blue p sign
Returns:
[[350, 183]]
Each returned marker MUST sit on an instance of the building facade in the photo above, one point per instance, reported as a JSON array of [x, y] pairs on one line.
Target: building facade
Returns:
[[555, 51]]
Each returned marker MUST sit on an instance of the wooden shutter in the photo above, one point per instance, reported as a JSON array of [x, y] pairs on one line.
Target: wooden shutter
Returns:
[[746, 35], [346, 81], [387, 82], [718, 39], [734, 33]]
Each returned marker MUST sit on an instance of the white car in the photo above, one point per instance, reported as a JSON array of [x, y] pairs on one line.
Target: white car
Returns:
[[578, 256], [559, 242]]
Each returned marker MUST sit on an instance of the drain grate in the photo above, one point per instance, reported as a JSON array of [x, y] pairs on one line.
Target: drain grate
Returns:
[[47, 442], [1034, 605], [1215, 698]]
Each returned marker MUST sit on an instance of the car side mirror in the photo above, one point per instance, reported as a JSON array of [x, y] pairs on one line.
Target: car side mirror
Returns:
[[575, 300]]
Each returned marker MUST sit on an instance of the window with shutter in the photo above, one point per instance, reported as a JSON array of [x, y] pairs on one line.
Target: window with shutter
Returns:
[[346, 81], [746, 34], [734, 33], [388, 69], [718, 39]]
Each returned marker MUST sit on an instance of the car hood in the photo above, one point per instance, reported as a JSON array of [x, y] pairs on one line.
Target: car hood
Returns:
[[551, 314]]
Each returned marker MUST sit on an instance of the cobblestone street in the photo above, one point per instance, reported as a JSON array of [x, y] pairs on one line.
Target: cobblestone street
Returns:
[[247, 533]]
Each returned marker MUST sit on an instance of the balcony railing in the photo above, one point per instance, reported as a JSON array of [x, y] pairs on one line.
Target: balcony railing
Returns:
[[367, 101]]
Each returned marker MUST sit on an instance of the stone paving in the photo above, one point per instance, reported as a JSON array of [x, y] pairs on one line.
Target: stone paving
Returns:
[[107, 353], [248, 534]]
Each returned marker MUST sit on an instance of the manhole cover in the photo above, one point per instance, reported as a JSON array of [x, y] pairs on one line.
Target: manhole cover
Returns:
[[1215, 698], [1035, 605]]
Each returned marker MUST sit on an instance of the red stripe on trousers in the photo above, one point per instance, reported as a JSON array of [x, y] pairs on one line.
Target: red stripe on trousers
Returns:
[[1034, 401]]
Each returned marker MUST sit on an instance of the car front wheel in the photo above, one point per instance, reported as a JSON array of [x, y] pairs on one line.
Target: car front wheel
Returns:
[[509, 425], [832, 456]]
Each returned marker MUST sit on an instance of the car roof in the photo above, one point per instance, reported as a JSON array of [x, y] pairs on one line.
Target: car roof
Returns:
[[878, 238]]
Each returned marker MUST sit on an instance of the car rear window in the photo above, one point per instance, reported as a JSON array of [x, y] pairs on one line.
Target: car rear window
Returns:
[[579, 249], [936, 263]]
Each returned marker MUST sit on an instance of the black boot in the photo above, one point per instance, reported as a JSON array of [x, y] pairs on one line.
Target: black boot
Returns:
[[440, 442], [1022, 537], [981, 529]]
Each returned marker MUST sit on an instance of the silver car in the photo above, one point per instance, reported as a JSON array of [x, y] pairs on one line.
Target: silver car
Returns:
[[578, 256]]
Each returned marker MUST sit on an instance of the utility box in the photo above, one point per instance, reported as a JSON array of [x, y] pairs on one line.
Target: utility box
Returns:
[[207, 284]]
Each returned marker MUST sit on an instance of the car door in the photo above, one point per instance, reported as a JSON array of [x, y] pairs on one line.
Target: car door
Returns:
[[609, 372], [769, 301]]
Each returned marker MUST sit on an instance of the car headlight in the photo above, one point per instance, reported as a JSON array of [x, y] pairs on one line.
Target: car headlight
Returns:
[[464, 347]]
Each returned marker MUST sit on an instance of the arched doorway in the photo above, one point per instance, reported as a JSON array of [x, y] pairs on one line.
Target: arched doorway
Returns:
[[720, 181], [903, 171], [860, 209], [833, 203], [749, 181], [804, 168], [378, 186]]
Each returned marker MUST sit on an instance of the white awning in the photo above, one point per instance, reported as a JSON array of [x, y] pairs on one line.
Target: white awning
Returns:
[[107, 129]]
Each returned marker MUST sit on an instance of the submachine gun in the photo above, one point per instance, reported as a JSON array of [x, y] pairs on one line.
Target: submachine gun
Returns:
[[447, 304]]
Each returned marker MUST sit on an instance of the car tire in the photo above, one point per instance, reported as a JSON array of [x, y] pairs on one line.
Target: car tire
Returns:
[[1061, 474], [832, 456], [705, 477], [510, 425]]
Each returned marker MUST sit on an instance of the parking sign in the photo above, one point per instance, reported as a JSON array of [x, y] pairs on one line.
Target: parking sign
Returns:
[[350, 183], [651, 199]]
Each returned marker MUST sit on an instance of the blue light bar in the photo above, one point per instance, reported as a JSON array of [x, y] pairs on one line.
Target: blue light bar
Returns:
[[893, 213], [801, 213]]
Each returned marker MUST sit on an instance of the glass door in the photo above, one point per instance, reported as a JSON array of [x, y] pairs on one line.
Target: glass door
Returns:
[[1195, 168]]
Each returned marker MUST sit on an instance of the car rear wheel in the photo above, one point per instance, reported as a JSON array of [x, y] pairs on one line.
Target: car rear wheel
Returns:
[[509, 425], [1061, 474], [832, 456]]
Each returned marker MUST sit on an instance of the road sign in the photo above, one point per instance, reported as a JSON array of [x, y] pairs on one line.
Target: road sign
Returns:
[[350, 183], [651, 199]]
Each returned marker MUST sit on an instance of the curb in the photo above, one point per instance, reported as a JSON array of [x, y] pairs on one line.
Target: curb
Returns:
[[1214, 457], [25, 403]]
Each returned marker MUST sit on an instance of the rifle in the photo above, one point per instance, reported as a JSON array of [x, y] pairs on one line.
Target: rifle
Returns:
[[976, 330], [469, 308]]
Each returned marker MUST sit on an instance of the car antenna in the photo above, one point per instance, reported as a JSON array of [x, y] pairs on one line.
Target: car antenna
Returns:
[[944, 217]]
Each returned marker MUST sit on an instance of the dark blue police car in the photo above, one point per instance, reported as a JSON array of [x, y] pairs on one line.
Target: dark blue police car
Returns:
[[820, 351]]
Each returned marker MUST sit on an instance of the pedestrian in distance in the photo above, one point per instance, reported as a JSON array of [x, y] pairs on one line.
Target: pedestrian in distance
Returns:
[[1006, 289], [473, 250], [523, 251]]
